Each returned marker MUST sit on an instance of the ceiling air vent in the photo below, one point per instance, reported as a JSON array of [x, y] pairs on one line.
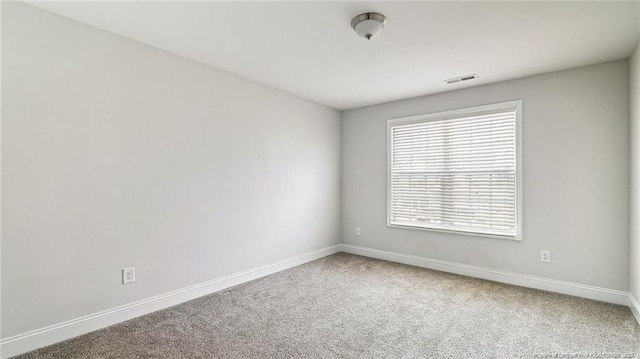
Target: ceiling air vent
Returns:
[[461, 78]]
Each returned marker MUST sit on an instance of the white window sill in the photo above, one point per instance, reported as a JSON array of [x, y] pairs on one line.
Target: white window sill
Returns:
[[516, 238]]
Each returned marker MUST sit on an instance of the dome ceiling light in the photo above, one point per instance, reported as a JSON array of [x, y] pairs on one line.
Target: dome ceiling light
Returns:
[[369, 24]]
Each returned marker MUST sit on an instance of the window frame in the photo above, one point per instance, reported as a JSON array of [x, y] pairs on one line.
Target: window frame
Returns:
[[452, 114]]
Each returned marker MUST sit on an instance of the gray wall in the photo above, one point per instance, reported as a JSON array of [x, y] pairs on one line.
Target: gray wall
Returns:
[[576, 178], [117, 154], [634, 64]]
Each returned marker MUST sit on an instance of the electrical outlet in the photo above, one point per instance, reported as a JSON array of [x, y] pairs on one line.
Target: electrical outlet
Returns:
[[357, 231], [128, 275], [545, 256]]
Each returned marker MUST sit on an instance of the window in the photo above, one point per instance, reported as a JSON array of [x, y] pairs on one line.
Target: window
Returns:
[[457, 171]]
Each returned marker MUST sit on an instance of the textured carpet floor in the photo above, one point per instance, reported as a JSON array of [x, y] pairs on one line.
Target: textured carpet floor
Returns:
[[346, 306]]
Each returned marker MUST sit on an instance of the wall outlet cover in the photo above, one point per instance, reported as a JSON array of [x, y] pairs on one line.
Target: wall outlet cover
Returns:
[[545, 256], [128, 275]]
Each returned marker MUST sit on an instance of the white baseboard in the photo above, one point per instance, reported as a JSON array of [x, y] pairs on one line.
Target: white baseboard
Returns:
[[635, 307], [551, 285], [39, 338]]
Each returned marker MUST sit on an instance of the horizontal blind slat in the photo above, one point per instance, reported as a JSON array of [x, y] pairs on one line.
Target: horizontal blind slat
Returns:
[[454, 136]]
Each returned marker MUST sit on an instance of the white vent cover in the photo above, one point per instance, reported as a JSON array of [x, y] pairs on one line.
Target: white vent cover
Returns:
[[461, 78]]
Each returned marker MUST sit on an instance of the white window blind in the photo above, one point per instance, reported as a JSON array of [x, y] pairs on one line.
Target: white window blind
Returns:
[[456, 172]]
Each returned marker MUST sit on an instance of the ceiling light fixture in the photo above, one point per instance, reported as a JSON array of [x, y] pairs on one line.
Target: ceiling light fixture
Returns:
[[369, 24]]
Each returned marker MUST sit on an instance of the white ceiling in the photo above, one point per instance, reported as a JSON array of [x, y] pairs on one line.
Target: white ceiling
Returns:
[[309, 49]]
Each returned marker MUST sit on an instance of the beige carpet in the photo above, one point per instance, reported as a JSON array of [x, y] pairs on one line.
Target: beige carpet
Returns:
[[347, 306]]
